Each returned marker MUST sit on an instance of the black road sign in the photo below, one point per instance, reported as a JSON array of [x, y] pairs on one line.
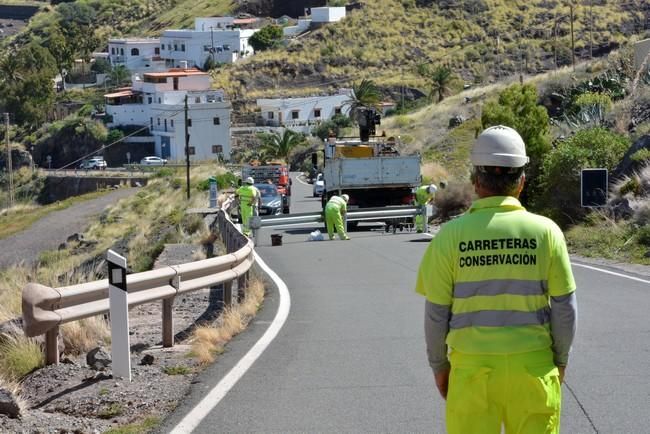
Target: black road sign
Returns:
[[593, 187]]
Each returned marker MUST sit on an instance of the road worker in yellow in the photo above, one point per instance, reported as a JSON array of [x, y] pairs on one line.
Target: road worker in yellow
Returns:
[[500, 310], [424, 195], [249, 197], [334, 212]]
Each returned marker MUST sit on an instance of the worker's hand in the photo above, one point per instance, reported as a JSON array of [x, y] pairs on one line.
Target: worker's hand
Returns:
[[561, 369], [442, 382]]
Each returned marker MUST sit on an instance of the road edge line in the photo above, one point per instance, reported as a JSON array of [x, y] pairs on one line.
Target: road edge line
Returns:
[[602, 270], [192, 419]]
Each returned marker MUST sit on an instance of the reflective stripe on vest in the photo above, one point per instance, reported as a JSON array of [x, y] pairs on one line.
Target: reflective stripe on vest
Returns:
[[499, 303], [500, 318], [500, 286]]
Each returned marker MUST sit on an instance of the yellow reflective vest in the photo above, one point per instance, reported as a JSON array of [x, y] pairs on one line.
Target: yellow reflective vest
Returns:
[[496, 268]]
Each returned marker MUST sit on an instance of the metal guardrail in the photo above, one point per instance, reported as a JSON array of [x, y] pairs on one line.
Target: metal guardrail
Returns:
[[352, 215], [45, 308]]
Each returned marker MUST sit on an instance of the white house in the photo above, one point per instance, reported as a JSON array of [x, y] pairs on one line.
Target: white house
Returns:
[[302, 114], [327, 14], [136, 54], [216, 37], [157, 100]]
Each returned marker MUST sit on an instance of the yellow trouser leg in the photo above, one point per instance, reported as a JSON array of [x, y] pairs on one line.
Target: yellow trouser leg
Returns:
[[246, 214], [335, 221], [419, 223], [519, 391]]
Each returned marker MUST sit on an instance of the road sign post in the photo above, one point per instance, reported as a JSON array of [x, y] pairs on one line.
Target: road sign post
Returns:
[[213, 192], [593, 188], [119, 311]]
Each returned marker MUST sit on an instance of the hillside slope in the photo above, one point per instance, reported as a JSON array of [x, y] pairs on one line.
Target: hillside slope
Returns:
[[481, 40]]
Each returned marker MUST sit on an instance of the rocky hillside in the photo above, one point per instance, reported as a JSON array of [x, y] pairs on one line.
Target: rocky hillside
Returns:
[[481, 40]]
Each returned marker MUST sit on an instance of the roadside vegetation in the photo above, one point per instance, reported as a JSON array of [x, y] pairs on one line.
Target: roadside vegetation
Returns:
[[137, 226]]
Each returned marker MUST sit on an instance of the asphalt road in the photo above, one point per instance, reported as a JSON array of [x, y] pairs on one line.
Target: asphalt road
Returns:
[[351, 356]]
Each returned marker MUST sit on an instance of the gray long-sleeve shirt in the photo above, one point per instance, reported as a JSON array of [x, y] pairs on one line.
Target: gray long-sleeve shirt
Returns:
[[564, 316]]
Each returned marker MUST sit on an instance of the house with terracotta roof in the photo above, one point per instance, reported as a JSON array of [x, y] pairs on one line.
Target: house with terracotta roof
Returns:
[[157, 101], [136, 54]]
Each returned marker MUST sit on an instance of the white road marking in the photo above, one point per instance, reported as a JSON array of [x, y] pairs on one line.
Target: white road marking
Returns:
[[210, 401], [299, 179], [590, 267], [610, 272]]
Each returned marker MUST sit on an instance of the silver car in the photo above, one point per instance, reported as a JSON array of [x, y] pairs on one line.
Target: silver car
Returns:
[[153, 161]]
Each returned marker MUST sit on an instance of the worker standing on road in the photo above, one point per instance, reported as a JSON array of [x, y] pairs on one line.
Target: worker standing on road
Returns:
[[249, 197], [334, 211], [500, 294], [423, 196]]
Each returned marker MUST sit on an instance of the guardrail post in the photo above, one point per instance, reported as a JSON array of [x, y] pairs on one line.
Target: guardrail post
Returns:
[[168, 316], [52, 346], [227, 293], [242, 282]]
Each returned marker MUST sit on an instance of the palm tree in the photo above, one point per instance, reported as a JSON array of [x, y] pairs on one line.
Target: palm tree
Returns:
[[439, 78], [119, 75], [277, 145], [365, 94]]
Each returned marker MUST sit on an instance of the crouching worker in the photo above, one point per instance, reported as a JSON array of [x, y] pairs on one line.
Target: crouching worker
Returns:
[[334, 211]]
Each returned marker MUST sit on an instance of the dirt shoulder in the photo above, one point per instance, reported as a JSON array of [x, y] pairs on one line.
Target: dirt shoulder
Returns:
[[52, 230]]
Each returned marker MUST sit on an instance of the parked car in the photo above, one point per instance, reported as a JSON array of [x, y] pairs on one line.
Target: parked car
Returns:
[[94, 163], [153, 161], [271, 199], [319, 185]]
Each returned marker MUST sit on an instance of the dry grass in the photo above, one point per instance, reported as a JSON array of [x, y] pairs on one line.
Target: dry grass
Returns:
[[82, 336], [19, 356], [433, 172], [207, 340]]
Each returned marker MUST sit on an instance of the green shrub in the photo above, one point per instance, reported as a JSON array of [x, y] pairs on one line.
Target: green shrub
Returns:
[[177, 370], [641, 155], [268, 37], [164, 172], [593, 99], [643, 235], [560, 178], [19, 356]]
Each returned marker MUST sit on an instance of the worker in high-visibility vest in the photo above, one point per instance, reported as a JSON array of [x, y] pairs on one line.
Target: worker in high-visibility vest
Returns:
[[335, 210], [424, 195], [249, 197], [500, 310]]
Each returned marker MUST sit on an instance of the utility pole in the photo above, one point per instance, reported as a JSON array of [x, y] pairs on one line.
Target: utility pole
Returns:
[[573, 48], [591, 29], [9, 163], [187, 149]]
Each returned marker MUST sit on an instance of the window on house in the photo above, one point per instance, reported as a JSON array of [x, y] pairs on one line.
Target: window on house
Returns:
[[112, 50], [162, 46], [337, 110], [175, 47], [270, 115], [158, 121], [295, 114], [189, 122], [197, 100], [151, 121], [149, 100], [122, 51], [182, 47], [216, 121], [156, 51], [172, 122], [135, 52], [316, 113], [192, 150], [159, 100], [226, 47], [217, 149]]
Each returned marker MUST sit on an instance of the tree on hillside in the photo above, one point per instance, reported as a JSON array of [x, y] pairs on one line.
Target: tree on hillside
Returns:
[[119, 75], [365, 94], [439, 79], [61, 50], [268, 37], [276, 145], [517, 107]]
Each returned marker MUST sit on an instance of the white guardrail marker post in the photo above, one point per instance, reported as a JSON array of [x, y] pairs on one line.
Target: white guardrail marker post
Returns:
[[119, 311]]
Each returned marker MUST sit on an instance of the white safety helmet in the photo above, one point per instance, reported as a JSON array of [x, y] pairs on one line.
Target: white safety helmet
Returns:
[[345, 197], [499, 146], [250, 180], [432, 188]]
